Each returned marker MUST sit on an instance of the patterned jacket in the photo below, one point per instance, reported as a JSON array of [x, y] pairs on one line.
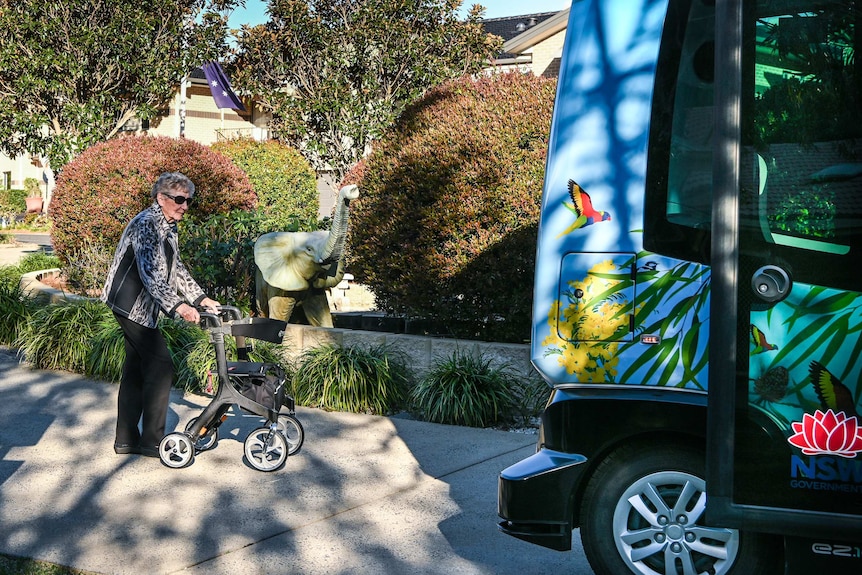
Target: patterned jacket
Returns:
[[147, 273]]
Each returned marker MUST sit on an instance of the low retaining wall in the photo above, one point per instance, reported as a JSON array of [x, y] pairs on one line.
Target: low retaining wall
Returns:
[[32, 286], [421, 352]]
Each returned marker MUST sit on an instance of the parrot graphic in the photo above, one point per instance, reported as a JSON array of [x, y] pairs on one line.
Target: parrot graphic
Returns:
[[832, 393], [759, 340], [582, 206]]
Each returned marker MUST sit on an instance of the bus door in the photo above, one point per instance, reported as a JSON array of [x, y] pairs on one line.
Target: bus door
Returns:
[[785, 426]]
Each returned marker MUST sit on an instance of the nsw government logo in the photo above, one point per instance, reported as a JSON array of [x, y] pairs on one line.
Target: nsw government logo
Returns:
[[832, 441], [827, 433]]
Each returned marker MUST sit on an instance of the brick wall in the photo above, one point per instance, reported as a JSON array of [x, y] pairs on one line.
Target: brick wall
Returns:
[[546, 55]]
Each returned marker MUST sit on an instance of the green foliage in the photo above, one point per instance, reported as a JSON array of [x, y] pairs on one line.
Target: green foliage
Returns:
[[353, 67], [466, 389], [36, 261], [193, 372], [82, 336], [811, 215], [10, 276], [219, 253], [32, 187], [532, 393], [72, 72], [32, 221], [58, 336], [180, 336], [353, 379], [12, 202], [817, 70], [107, 352], [447, 224], [283, 180], [12, 565], [105, 187], [15, 310]]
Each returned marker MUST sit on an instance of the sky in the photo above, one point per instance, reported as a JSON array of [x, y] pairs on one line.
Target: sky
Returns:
[[255, 11]]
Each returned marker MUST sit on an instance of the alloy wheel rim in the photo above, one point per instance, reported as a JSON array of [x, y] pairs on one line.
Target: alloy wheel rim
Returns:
[[657, 530]]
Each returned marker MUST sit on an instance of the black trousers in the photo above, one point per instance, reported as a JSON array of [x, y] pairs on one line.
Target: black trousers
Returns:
[[145, 387]]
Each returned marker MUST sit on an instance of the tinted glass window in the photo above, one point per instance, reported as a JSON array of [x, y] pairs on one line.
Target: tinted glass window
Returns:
[[802, 173], [678, 206]]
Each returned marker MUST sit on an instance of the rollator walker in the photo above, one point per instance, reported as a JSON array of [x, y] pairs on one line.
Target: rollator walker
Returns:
[[253, 387]]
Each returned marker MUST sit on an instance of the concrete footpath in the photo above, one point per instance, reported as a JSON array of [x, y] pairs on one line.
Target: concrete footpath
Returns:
[[11, 254], [365, 495]]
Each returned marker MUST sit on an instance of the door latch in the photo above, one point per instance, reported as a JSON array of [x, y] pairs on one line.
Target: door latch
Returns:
[[771, 284]]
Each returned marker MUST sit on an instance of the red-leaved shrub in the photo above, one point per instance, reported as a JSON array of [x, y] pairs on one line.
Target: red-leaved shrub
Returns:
[[104, 187], [445, 226]]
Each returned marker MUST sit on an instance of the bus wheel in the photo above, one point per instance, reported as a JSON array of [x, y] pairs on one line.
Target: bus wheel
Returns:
[[643, 513]]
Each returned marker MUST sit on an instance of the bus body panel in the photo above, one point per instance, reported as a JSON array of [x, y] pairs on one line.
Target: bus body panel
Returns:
[[622, 299]]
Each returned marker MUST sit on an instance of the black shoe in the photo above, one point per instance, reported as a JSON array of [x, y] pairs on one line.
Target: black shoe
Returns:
[[149, 451], [126, 449]]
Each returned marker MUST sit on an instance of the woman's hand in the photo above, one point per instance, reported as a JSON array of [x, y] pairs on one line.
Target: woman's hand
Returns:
[[188, 313], [211, 305]]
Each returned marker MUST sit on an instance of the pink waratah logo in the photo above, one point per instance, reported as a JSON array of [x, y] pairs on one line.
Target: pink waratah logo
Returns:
[[827, 433]]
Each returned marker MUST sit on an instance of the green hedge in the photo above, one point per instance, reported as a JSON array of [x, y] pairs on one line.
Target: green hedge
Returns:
[[12, 202], [283, 180]]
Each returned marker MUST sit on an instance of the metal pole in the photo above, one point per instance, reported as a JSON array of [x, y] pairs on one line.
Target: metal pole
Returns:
[[182, 110]]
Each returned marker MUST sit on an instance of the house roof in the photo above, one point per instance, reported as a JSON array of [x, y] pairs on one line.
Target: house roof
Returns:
[[543, 29], [511, 27]]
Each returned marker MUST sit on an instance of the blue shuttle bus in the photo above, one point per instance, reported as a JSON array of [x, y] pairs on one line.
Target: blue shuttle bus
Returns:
[[698, 292]]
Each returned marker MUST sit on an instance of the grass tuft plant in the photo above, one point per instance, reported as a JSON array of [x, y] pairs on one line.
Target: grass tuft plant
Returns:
[[15, 309], [60, 335], [37, 261], [466, 389], [353, 379], [532, 394], [108, 351]]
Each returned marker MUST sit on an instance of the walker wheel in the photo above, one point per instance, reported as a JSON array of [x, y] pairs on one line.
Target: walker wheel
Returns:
[[176, 450], [266, 449], [292, 430], [207, 440]]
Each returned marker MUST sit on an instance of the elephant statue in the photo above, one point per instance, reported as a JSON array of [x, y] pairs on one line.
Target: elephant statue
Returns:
[[294, 269]]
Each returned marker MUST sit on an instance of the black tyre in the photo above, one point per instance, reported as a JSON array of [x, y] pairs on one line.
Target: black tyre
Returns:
[[293, 432], [643, 513]]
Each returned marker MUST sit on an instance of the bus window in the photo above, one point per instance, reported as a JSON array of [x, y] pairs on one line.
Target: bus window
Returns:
[[801, 188], [801, 192], [678, 205]]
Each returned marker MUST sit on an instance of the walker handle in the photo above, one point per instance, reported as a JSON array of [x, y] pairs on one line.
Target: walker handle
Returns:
[[229, 312], [209, 320]]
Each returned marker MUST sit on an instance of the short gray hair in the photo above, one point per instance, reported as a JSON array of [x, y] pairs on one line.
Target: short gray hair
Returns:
[[171, 181]]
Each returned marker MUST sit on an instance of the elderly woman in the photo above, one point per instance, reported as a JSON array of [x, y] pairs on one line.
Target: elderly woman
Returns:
[[147, 278]]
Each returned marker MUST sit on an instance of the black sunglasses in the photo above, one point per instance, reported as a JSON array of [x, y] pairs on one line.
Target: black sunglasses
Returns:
[[180, 200]]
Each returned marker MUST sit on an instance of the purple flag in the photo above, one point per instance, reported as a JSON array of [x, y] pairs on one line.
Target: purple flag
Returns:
[[220, 87]]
